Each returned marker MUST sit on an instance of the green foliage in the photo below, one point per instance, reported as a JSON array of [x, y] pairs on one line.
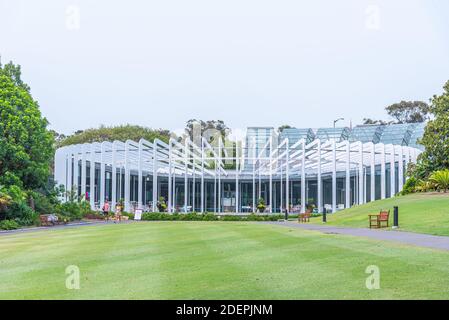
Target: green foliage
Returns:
[[409, 186], [161, 205], [261, 205], [5, 200], [193, 216], [26, 146], [436, 135], [121, 133], [70, 209], [9, 225], [409, 111], [440, 179], [21, 213], [284, 126], [210, 217]]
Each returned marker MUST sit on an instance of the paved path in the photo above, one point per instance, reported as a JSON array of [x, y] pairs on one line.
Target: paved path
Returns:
[[418, 239]]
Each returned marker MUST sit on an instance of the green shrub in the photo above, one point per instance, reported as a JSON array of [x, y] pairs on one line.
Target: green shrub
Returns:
[[129, 215], [42, 204], [70, 210], [440, 179], [151, 216], [210, 217], [21, 213], [409, 186], [254, 217], [230, 218], [191, 216], [85, 207], [8, 225]]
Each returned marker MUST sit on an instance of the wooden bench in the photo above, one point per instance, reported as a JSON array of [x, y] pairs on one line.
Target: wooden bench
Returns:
[[379, 220], [43, 218]]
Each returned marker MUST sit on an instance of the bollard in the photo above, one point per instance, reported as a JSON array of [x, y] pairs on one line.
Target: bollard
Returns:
[[286, 215], [395, 217], [324, 216]]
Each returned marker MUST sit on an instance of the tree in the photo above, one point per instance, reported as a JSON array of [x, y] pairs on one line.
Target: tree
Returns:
[[436, 135], [121, 133], [378, 122], [284, 126], [194, 126], [26, 146], [409, 111]]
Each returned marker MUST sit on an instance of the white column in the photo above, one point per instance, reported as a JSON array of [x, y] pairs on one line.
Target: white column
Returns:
[[76, 171], [170, 182], [237, 208], [287, 178], [382, 173], [92, 177], [127, 177], [202, 175], [334, 178], [271, 176], [215, 187], [219, 176], [174, 190], [361, 183], [83, 172], [392, 172], [193, 184], [140, 176], [154, 175], [254, 176], [68, 182], [114, 176], [102, 184], [303, 177], [400, 169], [319, 186], [373, 173], [185, 178], [348, 176], [281, 189]]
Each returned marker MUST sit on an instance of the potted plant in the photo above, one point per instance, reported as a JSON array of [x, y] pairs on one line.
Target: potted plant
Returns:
[[261, 205], [161, 205]]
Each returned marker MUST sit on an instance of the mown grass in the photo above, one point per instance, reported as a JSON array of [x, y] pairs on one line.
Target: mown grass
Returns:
[[214, 260], [420, 212]]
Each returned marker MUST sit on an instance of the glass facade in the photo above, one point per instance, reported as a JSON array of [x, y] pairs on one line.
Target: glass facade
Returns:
[[238, 191]]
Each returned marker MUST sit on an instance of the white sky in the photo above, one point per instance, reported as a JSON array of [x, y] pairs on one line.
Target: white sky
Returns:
[[247, 62]]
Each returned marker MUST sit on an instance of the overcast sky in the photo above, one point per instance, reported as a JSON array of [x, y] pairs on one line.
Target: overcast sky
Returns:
[[247, 62]]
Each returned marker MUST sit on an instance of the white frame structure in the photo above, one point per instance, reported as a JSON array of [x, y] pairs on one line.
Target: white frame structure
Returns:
[[283, 165]]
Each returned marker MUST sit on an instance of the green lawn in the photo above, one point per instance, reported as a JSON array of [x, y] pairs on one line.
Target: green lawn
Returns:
[[214, 260], [422, 213]]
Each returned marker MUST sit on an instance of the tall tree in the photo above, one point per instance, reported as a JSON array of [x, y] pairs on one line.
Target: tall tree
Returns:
[[121, 133], [409, 111], [194, 126], [436, 135], [26, 146]]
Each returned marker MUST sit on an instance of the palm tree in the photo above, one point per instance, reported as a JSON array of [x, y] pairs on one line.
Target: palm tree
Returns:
[[441, 179]]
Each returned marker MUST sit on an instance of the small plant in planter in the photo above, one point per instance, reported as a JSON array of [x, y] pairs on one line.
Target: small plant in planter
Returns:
[[161, 205], [261, 206]]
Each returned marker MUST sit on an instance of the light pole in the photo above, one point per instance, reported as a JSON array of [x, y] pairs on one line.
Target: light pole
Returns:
[[336, 120]]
